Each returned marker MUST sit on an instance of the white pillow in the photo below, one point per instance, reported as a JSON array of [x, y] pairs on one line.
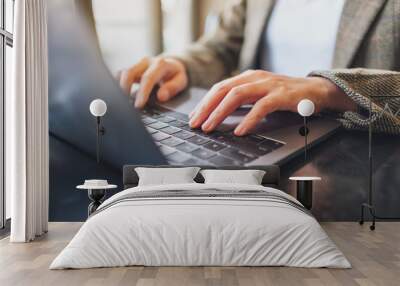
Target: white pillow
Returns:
[[248, 177], [163, 176]]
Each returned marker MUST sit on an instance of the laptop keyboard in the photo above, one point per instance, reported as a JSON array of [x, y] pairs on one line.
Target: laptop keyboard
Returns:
[[183, 145]]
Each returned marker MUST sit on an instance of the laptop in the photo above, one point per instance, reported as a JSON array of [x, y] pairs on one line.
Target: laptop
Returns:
[[160, 133]]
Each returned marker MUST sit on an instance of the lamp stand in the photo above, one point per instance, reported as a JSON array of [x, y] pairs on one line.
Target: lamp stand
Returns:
[[305, 138], [369, 205], [99, 132], [303, 131]]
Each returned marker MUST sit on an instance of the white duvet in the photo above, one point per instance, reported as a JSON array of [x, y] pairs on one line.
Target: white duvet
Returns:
[[200, 231]]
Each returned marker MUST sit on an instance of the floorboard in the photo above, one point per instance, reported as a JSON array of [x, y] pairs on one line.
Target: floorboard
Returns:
[[375, 257]]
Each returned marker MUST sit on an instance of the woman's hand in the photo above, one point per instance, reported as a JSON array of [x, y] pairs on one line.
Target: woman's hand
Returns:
[[168, 73], [268, 92]]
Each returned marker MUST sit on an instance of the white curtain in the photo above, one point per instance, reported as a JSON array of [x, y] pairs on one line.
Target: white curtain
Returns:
[[27, 124]]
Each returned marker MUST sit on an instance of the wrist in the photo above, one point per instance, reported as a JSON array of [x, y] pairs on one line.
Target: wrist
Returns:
[[334, 98], [182, 66]]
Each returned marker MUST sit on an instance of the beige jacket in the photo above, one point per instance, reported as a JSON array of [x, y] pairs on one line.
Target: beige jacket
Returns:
[[366, 60]]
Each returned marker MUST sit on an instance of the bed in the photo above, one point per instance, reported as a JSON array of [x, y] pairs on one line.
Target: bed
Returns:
[[198, 224]]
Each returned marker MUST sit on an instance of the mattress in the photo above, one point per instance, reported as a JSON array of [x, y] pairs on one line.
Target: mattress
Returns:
[[201, 225]]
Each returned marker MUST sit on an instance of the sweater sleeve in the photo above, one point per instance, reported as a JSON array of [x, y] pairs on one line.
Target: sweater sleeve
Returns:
[[363, 85], [215, 56]]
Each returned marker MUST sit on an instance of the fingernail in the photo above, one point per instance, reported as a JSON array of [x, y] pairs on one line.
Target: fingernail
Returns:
[[207, 126], [239, 131], [138, 103], [167, 95], [163, 95], [194, 122]]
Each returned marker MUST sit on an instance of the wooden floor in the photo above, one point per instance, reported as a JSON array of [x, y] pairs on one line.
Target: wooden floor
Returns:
[[375, 257]]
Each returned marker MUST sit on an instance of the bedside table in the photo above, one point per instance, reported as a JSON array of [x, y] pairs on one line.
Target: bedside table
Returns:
[[96, 192], [305, 189]]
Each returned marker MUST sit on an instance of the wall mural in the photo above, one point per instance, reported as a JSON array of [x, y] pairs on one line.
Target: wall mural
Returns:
[[181, 113]]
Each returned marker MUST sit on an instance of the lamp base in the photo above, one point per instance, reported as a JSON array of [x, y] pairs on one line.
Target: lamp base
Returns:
[[305, 192], [372, 212], [96, 197], [303, 131]]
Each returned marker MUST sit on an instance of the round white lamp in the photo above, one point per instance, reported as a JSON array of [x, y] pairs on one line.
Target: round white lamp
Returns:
[[98, 108], [305, 108]]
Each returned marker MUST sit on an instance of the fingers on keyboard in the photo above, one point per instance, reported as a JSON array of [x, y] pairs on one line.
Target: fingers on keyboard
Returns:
[[183, 145]]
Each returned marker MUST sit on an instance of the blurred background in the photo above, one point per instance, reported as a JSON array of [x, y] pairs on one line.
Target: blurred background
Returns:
[[131, 29]]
